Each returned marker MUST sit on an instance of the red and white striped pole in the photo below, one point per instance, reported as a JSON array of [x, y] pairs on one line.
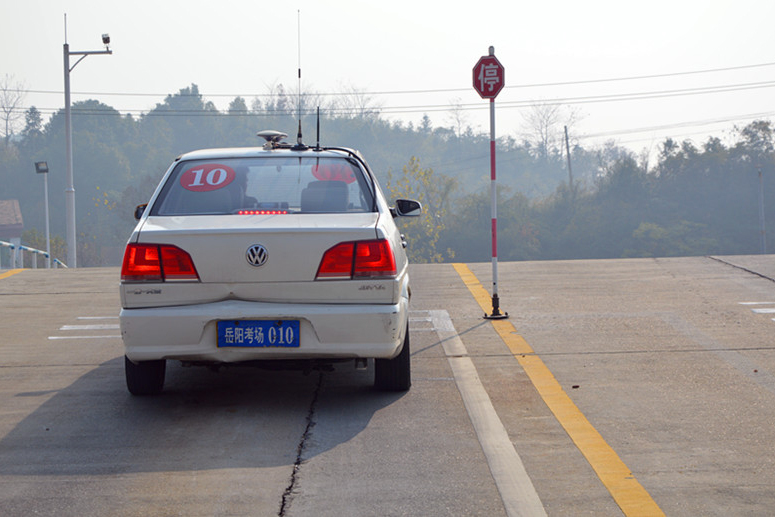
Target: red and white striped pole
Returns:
[[489, 78], [496, 313]]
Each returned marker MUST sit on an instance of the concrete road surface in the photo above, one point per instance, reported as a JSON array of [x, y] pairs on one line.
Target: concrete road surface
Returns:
[[618, 387]]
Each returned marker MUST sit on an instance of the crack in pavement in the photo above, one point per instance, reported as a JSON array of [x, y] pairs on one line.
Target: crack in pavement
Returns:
[[288, 493], [717, 259]]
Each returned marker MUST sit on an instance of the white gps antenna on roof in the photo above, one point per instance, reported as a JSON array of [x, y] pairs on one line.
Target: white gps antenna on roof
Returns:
[[272, 138]]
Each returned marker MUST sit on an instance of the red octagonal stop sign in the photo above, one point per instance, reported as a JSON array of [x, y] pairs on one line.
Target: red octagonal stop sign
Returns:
[[489, 77]]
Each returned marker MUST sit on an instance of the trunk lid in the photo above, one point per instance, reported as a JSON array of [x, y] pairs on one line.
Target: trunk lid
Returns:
[[294, 244]]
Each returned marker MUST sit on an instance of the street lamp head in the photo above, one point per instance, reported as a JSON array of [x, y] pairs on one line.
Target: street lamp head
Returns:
[[106, 39]]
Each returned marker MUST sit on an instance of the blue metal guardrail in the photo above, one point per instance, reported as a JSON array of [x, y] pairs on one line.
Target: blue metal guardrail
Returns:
[[17, 255]]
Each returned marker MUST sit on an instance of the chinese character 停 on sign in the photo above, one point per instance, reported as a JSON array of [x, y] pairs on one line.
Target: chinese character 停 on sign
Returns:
[[489, 77]]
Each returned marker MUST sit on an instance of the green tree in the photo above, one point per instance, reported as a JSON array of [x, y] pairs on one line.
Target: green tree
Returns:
[[756, 138], [681, 239], [469, 233], [35, 239], [11, 97], [191, 120], [33, 123], [433, 191]]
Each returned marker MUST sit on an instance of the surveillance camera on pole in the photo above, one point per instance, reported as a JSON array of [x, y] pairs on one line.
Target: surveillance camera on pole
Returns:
[[70, 188]]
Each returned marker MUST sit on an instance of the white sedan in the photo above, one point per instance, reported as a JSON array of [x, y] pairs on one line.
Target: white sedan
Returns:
[[277, 253]]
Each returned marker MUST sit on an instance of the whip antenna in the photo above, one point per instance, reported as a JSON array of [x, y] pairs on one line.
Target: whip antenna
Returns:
[[298, 32], [317, 146]]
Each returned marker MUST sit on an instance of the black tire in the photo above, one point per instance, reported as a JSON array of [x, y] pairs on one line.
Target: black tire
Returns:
[[394, 374], [146, 377]]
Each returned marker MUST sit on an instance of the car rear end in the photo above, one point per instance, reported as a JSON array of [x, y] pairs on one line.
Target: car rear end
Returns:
[[256, 255]]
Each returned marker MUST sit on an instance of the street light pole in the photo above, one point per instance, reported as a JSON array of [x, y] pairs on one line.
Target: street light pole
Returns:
[[70, 187], [42, 168]]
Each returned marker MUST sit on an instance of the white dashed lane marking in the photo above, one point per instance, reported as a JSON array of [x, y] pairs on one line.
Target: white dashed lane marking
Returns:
[[760, 310], [89, 327]]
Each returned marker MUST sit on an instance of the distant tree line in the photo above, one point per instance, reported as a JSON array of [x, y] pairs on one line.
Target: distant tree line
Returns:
[[695, 200]]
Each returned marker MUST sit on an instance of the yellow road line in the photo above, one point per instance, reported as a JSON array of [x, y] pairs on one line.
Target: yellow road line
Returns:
[[630, 495], [10, 273]]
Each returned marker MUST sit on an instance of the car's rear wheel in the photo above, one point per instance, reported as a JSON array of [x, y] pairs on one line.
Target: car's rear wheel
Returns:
[[394, 374], [145, 377]]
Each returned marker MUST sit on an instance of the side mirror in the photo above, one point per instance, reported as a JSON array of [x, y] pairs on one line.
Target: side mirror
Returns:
[[140, 210], [408, 208]]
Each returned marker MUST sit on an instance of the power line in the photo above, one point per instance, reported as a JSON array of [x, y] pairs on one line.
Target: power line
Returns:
[[639, 77], [594, 98], [421, 91], [583, 136], [678, 125], [396, 110]]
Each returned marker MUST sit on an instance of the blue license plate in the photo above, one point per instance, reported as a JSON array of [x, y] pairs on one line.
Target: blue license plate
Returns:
[[258, 333]]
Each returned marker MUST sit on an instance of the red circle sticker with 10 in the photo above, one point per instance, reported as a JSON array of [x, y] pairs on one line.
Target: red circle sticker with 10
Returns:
[[207, 177]]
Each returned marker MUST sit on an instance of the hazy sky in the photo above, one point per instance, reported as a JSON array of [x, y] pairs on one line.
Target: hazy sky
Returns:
[[240, 47]]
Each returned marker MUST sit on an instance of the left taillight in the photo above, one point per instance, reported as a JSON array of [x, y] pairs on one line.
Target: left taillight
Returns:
[[157, 263]]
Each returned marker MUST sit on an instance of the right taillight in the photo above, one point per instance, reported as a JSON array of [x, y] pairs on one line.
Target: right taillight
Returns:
[[358, 259], [157, 263]]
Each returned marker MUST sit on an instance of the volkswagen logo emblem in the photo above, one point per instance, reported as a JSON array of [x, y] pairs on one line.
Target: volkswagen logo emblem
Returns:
[[257, 255]]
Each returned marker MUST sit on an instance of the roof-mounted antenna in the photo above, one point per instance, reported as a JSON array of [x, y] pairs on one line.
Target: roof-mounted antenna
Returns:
[[299, 142], [317, 145], [273, 139]]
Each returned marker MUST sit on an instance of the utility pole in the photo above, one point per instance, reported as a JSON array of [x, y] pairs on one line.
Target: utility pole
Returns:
[[570, 170], [762, 230], [70, 187]]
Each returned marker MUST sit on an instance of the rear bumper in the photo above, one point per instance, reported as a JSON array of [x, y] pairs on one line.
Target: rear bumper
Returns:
[[188, 333]]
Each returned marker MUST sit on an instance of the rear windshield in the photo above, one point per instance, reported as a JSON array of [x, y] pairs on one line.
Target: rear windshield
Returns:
[[265, 185]]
